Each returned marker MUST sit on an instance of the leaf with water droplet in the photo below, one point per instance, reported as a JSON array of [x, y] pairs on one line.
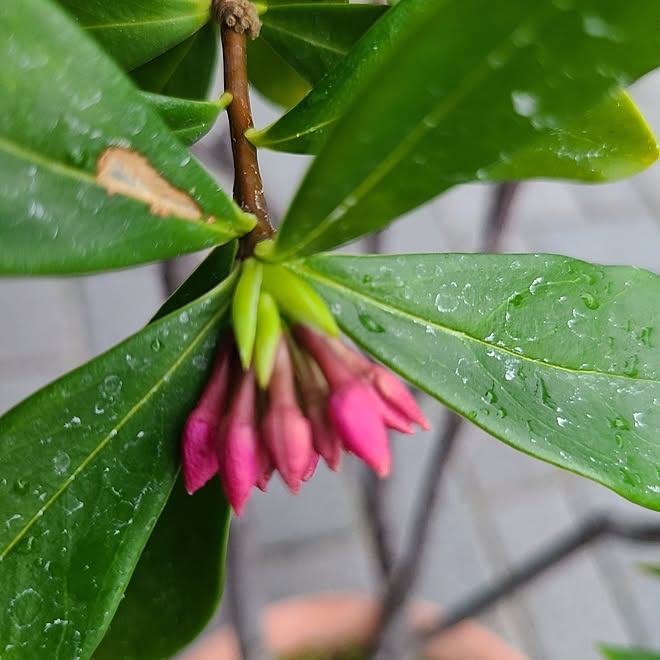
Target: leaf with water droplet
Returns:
[[416, 134], [54, 212], [102, 483], [584, 404]]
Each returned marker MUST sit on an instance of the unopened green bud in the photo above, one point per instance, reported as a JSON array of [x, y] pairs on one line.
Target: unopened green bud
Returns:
[[264, 249], [269, 331], [244, 309], [297, 300]]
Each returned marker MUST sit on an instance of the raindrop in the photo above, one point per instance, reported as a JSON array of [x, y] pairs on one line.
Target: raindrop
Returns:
[[590, 301], [490, 396], [23, 608], [619, 423], [645, 336], [111, 387], [524, 104], [156, 345], [61, 462], [618, 438], [21, 486], [627, 476], [369, 324]]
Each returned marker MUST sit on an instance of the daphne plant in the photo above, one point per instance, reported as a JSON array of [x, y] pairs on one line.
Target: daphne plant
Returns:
[[248, 368]]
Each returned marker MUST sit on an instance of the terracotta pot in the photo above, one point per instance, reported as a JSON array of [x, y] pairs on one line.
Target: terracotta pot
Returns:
[[334, 621]]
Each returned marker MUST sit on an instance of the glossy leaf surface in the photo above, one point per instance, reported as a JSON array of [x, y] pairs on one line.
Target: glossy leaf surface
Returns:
[[181, 566], [94, 457], [496, 83], [188, 120], [135, 32], [177, 583], [269, 72], [65, 105], [185, 70], [314, 38], [557, 357], [612, 653]]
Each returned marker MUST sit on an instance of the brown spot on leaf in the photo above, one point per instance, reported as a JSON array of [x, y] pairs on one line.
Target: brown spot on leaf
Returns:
[[125, 172]]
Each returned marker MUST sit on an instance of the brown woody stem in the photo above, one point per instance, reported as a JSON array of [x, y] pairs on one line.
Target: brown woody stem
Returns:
[[238, 20]]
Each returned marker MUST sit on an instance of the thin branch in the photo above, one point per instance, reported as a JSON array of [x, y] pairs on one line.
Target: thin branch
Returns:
[[374, 495], [594, 529], [405, 574], [238, 20], [243, 585], [498, 216]]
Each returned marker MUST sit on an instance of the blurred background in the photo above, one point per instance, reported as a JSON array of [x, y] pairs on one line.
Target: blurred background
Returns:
[[497, 505]]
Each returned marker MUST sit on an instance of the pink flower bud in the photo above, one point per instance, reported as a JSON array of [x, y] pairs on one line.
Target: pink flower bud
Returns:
[[311, 468], [400, 408], [285, 431], [200, 435], [266, 468], [288, 437], [354, 412], [397, 395], [326, 441], [238, 454]]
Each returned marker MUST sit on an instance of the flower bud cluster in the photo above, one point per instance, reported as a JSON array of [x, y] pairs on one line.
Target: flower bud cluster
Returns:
[[288, 399], [323, 399]]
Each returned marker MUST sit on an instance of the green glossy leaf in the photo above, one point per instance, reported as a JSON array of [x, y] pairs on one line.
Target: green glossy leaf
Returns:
[[136, 32], [314, 38], [557, 357], [64, 105], [93, 459], [496, 83], [270, 73], [613, 653], [186, 70], [178, 581], [272, 77], [189, 120]]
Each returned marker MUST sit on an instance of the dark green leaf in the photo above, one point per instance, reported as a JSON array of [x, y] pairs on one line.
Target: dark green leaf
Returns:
[[269, 72], [272, 77], [93, 459], [612, 653], [189, 120], [181, 566], [64, 105], [557, 357], [136, 32], [178, 581], [186, 70], [314, 38], [452, 90]]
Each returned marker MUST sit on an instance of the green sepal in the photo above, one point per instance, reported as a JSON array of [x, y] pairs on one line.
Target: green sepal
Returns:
[[297, 299], [244, 308], [269, 331]]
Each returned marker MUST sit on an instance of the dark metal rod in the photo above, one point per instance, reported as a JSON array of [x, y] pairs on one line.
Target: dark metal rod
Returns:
[[595, 528]]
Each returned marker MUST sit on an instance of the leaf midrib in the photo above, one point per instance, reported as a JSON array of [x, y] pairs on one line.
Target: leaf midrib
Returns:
[[114, 432], [151, 21], [464, 336]]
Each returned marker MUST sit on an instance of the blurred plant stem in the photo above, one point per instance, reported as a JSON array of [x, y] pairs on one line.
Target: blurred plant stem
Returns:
[[393, 640]]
